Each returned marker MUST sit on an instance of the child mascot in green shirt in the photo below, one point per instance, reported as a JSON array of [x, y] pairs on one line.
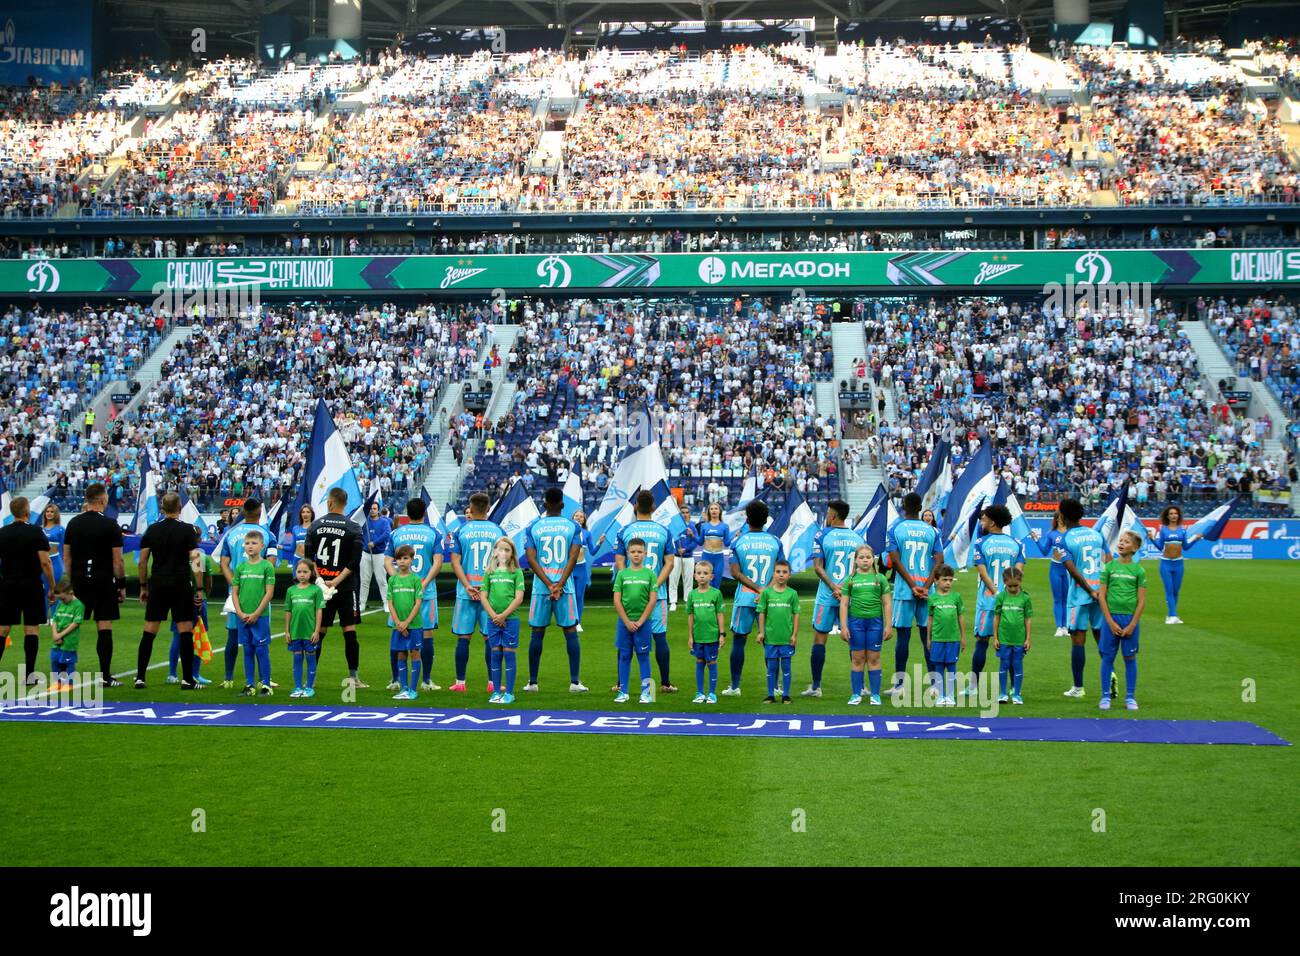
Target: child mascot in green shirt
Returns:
[[778, 629], [704, 631], [1013, 614], [1122, 595]]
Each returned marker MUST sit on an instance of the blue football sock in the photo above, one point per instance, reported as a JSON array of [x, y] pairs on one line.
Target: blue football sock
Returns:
[[662, 657], [487, 657], [771, 676], [1002, 678], [312, 664], [535, 653], [462, 657], [573, 644], [232, 652], [818, 658], [1130, 677], [786, 669], [413, 674], [250, 665], [297, 669], [874, 678], [699, 675], [855, 681], [902, 640], [1078, 657], [511, 671], [1107, 668], [426, 660], [950, 679], [713, 677], [624, 669], [737, 657], [1019, 676], [980, 656], [494, 669], [403, 672], [174, 655], [264, 661], [643, 664], [396, 666]]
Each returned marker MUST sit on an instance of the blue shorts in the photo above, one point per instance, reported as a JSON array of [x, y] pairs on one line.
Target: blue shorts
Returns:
[[908, 611], [1011, 654], [504, 635], [777, 652], [637, 642], [429, 613], [1109, 643], [541, 609], [65, 660], [825, 617], [255, 634], [1082, 617], [866, 633], [984, 622], [468, 617], [303, 645], [706, 652], [742, 618], [945, 652], [411, 642]]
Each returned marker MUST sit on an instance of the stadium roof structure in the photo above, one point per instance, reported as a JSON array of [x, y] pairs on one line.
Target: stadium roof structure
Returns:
[[390, 20]]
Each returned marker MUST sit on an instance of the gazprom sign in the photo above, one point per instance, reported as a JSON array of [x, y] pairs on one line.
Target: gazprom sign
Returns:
[[50, 41]]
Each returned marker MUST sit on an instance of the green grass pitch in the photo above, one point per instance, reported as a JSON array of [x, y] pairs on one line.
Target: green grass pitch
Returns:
[[295, 796]]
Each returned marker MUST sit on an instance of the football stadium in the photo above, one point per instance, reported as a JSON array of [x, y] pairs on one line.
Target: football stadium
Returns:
[[632, 433]]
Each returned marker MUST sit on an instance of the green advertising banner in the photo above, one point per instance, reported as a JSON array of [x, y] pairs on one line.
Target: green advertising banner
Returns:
[[722, 273]]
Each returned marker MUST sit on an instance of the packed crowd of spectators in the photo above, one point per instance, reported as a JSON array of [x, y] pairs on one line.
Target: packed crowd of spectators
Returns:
[[1263, 338], [727, 392], [52, 361], [233, 410], [1068, 403]]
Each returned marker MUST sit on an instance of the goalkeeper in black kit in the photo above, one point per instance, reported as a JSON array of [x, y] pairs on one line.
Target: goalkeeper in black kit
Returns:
[[335, 545]]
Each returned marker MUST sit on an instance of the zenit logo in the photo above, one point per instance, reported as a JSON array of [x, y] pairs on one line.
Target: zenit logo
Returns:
[[75, 909]]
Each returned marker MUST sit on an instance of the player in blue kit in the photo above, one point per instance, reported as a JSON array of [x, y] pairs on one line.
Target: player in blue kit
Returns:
[[753, 563], [1049, 545], [915, 550], [230, 556], [1085, 556], [471, 551], [659, 558], [832, 557], [995, 551], [552, 545], [428, 553]]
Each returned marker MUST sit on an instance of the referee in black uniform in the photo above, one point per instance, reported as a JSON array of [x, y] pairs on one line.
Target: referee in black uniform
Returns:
[[24, 560], [93, 544], [169, 589], [335, 544]]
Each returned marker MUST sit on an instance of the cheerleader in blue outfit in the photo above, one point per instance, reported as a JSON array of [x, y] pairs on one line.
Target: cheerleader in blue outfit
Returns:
[[52, 525], [306, 515], [1172, 539], [1049, 545], [714, 537]]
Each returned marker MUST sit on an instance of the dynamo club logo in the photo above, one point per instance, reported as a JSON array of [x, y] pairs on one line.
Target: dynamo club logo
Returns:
[[712, 270], [555, 271], [1094, 266], [43, 276]]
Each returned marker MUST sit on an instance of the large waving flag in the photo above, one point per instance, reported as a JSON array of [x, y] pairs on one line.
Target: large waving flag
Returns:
[[514, 512], [974, 488], [1212, 526], [796, 526], [328, 465], [431, 517], [637, 469], [5, 498], [361, 517], [734, 519], [572, 495], [147, 510], [1019, 527], [876, 520], [1117, 517], [451, 521], [935, 482], [668, 510]]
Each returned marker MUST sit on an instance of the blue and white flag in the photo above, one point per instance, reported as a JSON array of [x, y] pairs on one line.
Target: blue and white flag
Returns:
[[328, 466], [637, 469], [1212, 526], [734, 519], [452, 522], [514, 512], [5, 498], [935, 482], [876, 521], [147, 509], [974, 488], [361, 517], [668, 510], [796, 526], [431, 517], [1117, 517], [1019, 527], [572, 495], [36, 507]]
